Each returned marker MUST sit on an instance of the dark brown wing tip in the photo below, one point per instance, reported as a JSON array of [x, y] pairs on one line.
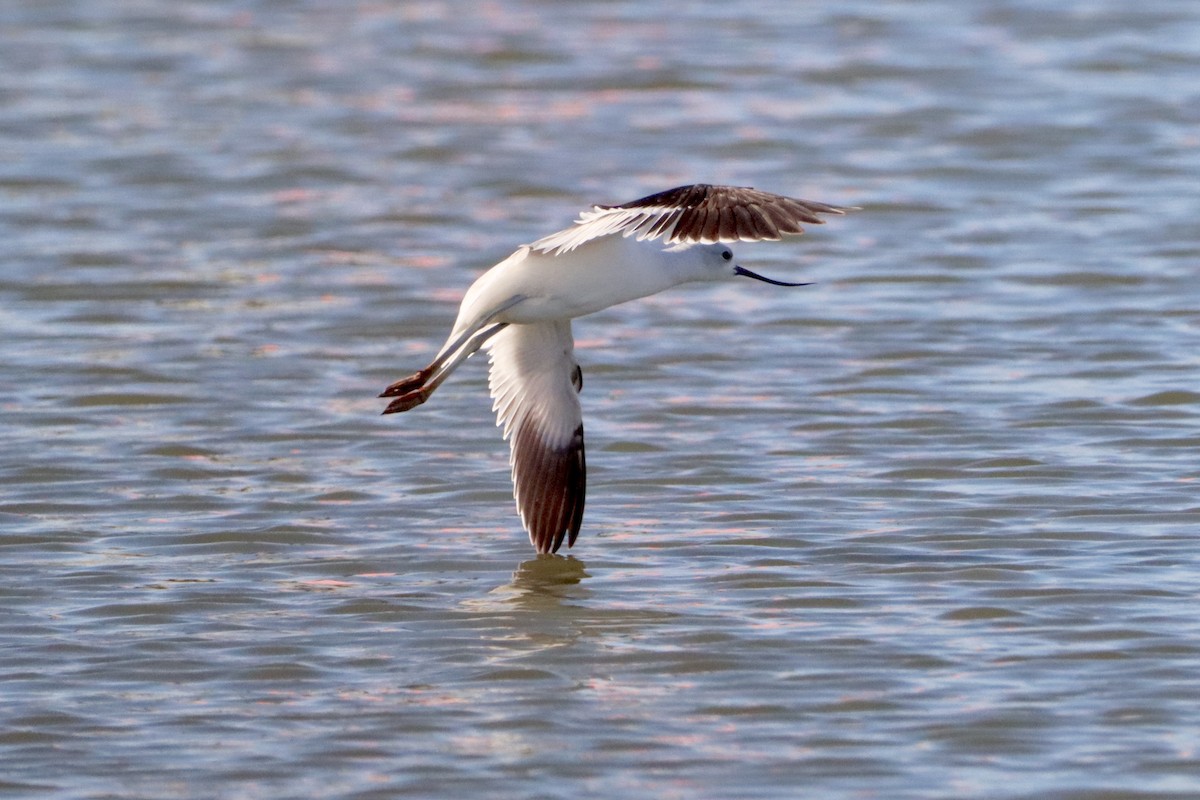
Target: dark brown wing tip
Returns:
[[694, 194], [550, 486], [704, 212], [687, 195], [728, 213]]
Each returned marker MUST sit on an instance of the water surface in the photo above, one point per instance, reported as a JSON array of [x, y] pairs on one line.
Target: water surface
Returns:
[[926, 529]]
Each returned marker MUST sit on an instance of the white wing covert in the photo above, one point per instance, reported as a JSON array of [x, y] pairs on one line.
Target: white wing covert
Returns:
[[534, 381]]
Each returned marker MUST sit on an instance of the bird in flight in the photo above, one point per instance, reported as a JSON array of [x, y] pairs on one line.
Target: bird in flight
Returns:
[[521, 310]]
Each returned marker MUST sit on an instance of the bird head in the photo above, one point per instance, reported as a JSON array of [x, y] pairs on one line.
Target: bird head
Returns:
[[720, 265]]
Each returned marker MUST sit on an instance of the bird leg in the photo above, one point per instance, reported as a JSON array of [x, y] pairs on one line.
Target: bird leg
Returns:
[[418, 379], [414, 381], [410, 400], [415, 389]]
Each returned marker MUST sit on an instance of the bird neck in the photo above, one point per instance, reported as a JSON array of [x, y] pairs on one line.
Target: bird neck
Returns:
[[684, 265]]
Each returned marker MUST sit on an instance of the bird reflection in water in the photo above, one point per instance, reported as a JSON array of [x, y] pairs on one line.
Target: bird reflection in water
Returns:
[[545, 582]]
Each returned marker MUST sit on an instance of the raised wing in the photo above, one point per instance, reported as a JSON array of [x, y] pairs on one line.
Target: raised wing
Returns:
[[534, 381], [697, 214]]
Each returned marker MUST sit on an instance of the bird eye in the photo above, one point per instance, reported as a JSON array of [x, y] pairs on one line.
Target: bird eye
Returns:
[[727, 254]]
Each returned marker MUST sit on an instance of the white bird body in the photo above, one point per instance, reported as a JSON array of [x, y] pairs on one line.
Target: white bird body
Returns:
[[521, 310], [599, 274]]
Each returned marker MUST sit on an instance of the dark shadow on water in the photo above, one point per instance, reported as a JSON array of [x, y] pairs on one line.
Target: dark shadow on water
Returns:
[[547, 580], [547, 573]]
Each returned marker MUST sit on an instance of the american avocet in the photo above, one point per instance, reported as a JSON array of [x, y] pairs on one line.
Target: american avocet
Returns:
[[522, 310]]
